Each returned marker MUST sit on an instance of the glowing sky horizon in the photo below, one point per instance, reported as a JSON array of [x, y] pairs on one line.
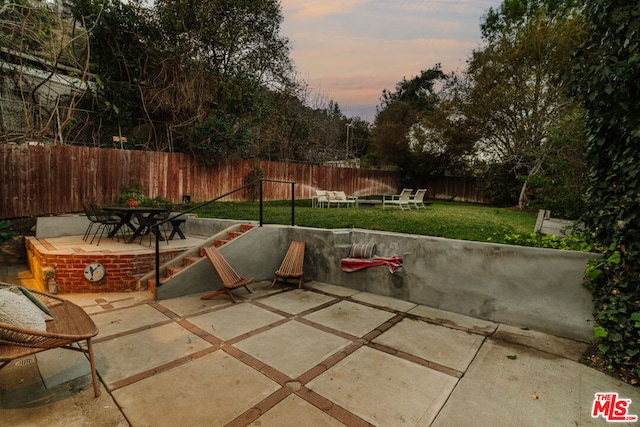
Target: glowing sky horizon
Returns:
[[350, 50]]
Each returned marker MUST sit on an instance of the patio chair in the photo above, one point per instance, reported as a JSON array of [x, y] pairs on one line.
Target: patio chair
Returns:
[[227, 275], [339, 198], [148, 224], [400, 200], [93, 220], [320, 200], [292, 264], [70, 325], [106, 222], [417, 199]]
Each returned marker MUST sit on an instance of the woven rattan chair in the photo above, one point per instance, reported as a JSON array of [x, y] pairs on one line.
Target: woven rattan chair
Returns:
[[227, 275], [292, 264], [70, 325]]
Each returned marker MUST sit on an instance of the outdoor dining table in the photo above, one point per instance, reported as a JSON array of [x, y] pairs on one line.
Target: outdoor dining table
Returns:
[[126, 216]]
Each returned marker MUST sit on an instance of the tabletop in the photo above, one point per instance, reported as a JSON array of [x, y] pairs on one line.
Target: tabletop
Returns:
[[141, 209]]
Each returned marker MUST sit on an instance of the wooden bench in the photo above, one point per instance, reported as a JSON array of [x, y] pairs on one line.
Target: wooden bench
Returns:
[[227, 275], [175, 227], [292, 264]]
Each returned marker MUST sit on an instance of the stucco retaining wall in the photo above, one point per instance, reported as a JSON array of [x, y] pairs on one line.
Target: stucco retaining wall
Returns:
[[532, 288]]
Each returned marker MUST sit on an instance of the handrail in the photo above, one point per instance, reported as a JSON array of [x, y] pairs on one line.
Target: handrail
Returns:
[[157, 225]]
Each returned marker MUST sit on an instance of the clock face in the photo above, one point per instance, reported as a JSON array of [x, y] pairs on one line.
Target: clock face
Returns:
[[94, 272]]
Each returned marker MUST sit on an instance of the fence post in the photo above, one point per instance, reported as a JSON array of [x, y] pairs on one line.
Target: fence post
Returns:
[[260, 202], [293, 202], [157, 267]]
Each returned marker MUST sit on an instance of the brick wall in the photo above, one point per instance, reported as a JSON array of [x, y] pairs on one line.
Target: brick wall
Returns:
[[122, 271]]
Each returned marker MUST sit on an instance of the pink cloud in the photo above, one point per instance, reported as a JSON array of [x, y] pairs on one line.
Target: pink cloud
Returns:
[[350, 50], [309, 9]]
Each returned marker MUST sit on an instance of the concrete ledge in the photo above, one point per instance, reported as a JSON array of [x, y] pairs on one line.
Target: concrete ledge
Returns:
[[539, 289], [58, 226]]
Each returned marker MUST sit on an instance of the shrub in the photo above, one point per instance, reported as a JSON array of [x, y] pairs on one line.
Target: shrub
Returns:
[[5, 231], [616, 289], [500, 185], [136, 192], [575, 242]]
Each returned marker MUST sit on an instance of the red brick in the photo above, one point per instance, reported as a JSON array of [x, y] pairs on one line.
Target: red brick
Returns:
[[245, 419]]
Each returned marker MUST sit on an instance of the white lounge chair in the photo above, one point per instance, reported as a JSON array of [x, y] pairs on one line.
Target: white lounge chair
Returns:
[[400, 200], [339, 198], [417, 199], [320, 200]]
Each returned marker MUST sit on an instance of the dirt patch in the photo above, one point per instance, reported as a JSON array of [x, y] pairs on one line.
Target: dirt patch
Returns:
[[13, 250], [23, 226], [595, 359]]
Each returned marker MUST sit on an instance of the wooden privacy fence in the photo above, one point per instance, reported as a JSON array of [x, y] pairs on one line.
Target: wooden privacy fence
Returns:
[[453, 188], [53, 179]]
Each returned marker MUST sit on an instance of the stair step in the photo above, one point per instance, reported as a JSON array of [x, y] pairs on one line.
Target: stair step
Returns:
[[176, 268], [188, 260], [151, 283], [233, 234]]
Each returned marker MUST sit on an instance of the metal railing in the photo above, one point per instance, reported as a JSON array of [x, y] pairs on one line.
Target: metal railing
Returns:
[[157, 226]]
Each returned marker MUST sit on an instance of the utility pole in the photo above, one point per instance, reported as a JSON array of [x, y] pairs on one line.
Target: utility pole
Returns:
[[347, 143]]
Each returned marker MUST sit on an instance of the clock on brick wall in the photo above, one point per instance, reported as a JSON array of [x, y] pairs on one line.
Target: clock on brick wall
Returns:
[[94, 272]]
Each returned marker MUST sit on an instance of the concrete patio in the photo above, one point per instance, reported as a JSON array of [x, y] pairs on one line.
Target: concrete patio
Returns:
[[324, 355]]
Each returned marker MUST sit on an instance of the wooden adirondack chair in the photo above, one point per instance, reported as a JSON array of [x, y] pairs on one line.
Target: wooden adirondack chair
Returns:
[[292, 264], [227, 275]]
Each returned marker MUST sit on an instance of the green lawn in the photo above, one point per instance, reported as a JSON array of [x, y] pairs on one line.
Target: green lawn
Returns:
[[443, 219]]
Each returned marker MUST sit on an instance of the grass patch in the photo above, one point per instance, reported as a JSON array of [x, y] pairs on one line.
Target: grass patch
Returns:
[[452, 220]]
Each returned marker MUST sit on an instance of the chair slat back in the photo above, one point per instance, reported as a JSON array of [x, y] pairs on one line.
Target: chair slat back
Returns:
[[420, 195], [293, 261], [405, 195], [225, 272]]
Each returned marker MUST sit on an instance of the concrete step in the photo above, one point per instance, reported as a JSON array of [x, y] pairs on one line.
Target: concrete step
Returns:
[[190, 260], [175, 269], [187, 261], [220, 242], [151, 283], [233, 234]]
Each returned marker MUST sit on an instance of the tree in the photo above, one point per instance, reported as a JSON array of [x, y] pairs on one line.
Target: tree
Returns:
[[398, 112], [119, 35], [515, 98], [37, 46], [236, 43], [209, 77], [209, 71], [605, 77], [443, 140]]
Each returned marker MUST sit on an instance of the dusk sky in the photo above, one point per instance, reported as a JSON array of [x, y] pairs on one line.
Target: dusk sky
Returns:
[[350, 50]]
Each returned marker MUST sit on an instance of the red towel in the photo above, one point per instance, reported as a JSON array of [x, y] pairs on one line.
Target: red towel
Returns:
[[354, 264]]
